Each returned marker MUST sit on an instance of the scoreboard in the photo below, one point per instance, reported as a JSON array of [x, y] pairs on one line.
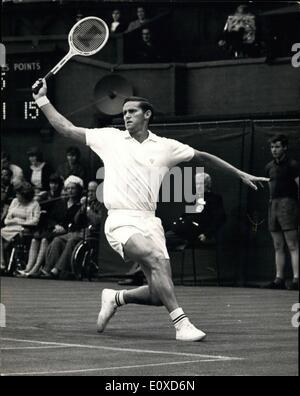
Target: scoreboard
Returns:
[[18, 108]]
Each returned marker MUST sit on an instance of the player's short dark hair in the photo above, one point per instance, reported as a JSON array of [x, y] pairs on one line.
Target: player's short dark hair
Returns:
[[279, 138], [144, 104]]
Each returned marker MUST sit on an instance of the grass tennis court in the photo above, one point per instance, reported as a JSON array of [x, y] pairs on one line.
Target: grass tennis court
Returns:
[[50, 330]]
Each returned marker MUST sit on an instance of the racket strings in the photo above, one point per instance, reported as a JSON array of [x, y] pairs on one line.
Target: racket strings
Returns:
[[88, 36]]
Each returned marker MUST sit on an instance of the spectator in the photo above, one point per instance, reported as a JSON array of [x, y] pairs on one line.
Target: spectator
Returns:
[[23, 213], [39, 171], [117, 26], [53, 192], [284, 211], [72, 165], [7, 191], [54, 211], [239, 33], [200, 227], [58, 248], [17, 177], [91, 208], [203, 225], [140, 21], [79, 16], [147, 52], [89, 216]]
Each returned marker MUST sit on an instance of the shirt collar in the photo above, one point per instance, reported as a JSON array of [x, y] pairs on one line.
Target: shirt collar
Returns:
[[281, 161], [151, 136], [37, 168]]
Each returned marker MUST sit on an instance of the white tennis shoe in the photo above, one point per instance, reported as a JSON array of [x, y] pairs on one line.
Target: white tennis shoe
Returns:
[[188, 332], [108, 308]]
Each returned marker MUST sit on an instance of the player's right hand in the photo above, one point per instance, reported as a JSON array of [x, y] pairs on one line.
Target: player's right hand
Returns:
[[41, 85]]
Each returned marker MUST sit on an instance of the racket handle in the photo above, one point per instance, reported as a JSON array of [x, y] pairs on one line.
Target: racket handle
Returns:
[[36, 89]]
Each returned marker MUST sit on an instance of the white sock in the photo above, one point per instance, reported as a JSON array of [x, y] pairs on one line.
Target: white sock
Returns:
[[120, 298], [178, 317]]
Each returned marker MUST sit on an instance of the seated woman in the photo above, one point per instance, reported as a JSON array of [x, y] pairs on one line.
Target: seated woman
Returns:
[[23, 214], [66, 228], [52, 213]]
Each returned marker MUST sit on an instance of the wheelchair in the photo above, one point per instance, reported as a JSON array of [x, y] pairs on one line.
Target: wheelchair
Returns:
[[84, 260], [19, 249], [20, 245]]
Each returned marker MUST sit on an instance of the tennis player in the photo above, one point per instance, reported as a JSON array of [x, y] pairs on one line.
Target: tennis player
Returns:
[[130, 196]]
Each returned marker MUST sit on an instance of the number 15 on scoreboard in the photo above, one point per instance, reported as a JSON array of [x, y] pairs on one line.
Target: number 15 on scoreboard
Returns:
[[31, 110]]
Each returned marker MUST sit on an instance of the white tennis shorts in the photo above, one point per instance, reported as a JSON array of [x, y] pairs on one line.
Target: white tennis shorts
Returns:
[[122, 224]]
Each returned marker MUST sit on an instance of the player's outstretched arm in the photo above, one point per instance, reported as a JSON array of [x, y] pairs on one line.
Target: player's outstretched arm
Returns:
[[58, 121], [209, 159]]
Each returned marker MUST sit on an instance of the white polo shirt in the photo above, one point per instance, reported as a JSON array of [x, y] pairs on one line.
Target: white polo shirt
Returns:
[[133, 170]]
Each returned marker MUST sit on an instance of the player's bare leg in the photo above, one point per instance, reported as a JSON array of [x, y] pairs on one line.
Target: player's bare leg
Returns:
[[160, 290]]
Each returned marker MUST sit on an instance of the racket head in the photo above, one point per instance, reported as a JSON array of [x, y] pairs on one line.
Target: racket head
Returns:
[[88, 36]]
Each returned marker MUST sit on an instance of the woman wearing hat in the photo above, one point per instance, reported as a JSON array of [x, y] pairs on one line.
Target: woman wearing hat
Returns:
[[63, 230], [60, 225]]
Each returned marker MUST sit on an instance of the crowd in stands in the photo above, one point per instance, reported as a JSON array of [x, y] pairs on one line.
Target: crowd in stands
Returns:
[[143, 47], [58, 209], [235, 32], [147, 43], [55, 209]]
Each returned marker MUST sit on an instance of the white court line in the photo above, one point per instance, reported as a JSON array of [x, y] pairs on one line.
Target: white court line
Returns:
[[33, 347], [111, 368], [123, 349]]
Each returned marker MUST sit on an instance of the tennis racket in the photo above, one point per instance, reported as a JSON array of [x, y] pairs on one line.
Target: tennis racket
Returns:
[[86, 38]]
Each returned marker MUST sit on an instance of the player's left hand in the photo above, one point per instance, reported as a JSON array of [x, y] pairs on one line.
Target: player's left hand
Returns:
[[253, 181]]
